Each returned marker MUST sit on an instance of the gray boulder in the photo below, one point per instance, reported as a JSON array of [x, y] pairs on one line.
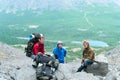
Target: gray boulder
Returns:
[[14, 65], [114, 64], [68, 72], [96, 71], [114, 58], [113, 75], [98, 68]]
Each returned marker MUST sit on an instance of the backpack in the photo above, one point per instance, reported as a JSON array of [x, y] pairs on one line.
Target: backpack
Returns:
[[33, 39], [45, 72], [49, 60], [48, 68]]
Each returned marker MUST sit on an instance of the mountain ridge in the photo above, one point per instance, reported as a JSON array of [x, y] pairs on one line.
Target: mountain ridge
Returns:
[[10, 6]]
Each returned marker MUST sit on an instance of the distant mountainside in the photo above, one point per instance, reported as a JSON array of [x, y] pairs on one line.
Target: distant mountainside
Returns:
[[14, 6], [71, 21]]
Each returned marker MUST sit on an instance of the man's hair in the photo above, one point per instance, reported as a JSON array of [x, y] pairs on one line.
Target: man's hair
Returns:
[[85, 41]]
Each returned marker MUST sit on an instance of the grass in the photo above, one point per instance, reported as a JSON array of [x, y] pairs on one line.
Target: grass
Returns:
[[64, 25]]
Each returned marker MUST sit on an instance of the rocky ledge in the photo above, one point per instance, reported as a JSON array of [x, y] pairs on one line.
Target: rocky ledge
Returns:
[[14, 65]]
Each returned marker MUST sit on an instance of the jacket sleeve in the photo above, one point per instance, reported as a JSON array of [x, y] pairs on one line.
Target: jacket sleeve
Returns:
[[65, 52], [43, 50], [55, 53], [83, 56]]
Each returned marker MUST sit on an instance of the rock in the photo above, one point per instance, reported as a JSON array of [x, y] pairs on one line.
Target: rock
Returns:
[[11, 71], [101, 58], [99, 68], [68, 72], [114, 59], [96, 71], [111, 76], [83, 76], [114, 51], [16, 66]]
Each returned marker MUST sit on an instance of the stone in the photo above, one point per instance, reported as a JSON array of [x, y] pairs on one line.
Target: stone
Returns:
[[68, 72], [99, 68], [111, 76], [19, 67]]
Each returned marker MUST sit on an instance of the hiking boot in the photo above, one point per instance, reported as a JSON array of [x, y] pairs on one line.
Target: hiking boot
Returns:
[[34, 64], [85, 70], [80, 68]]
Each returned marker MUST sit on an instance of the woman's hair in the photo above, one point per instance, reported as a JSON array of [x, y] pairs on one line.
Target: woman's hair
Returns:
[[85, 41]]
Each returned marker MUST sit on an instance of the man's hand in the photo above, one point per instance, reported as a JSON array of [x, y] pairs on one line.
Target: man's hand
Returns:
[[82, 61]]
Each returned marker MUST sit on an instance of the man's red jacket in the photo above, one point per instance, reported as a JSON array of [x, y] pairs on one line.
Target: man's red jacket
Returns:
[[38, 47]]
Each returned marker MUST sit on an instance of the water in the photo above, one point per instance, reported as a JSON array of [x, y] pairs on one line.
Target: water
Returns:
[[93, 43], [24, 38], [98, 43], [76, 42]]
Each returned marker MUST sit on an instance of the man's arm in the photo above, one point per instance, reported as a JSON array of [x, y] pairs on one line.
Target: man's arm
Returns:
[[65, 52], [43, 50], [55, 53]]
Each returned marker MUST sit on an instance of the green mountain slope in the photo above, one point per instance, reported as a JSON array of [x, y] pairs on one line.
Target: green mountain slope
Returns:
[[71, 21]]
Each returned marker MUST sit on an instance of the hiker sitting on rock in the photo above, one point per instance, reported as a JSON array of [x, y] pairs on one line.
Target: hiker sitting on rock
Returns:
[[88, 56], [38, 47], [59, 52]]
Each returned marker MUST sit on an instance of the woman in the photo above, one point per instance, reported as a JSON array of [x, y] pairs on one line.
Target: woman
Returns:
[[38, 47], [88, 56]]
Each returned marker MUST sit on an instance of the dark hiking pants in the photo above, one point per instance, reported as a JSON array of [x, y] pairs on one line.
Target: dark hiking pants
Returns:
[[84, 65]]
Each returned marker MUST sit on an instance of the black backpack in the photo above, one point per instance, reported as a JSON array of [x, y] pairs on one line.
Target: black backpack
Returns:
[[49, 60], [30, 44], [45, 72], [48, 68]]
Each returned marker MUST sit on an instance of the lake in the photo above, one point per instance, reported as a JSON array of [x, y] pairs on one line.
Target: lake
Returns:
[[93, 43]]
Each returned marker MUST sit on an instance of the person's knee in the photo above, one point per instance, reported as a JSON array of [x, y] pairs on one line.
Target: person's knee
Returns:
[[33, 57], [86, 63]]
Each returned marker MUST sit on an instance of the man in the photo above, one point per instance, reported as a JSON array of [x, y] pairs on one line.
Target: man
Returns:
[[60, 52], [88, 56], [38, 47]]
